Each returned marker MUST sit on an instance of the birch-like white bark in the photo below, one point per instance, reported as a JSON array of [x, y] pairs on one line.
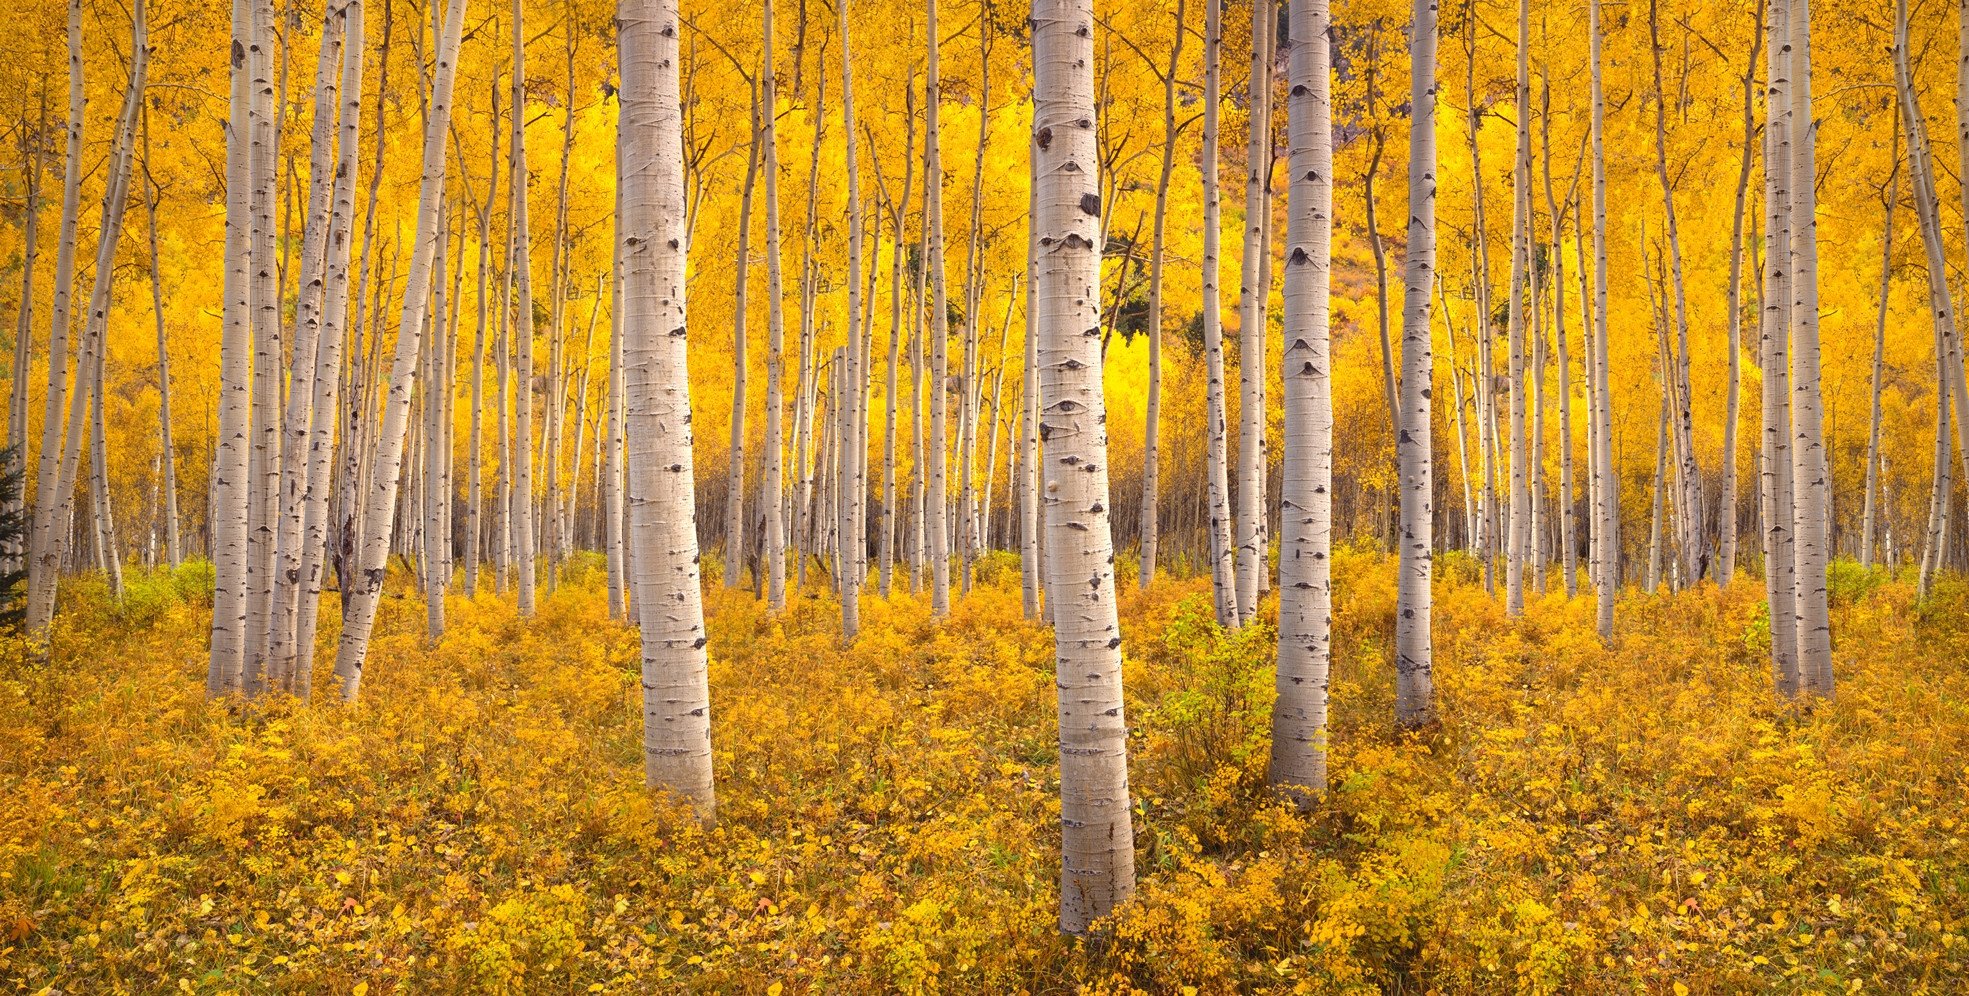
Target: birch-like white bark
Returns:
[[1298, 763], [1223, 562], [1414, 658]]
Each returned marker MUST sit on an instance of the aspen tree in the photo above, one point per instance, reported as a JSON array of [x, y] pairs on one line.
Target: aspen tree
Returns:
[[663, 516], [1811, 472], [263, 469], [772, 475], [435, 386], [14, 556], [328, 363], [1030, 567], [1298, 762], [1726, 516], [363, 588], [1691, 535], [1414, 684], [1779, 566], [851, 444], [807, 385], [1568, 543], [1890, 196], [937, 490], [52, 503], [1607, 504], [613, 500], [305, 339], [1223, 565], [475, 472], [1251, 553], [735, 464], [1151, 443], [887, 562], [1097, 869], [167, 455], [522, 276], [44, 555], [1519, 539]]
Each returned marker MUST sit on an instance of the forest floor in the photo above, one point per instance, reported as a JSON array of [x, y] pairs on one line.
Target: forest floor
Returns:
[[1645, 819]]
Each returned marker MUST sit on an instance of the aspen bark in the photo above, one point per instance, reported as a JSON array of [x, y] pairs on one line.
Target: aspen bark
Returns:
[[937, 489], [1223, 565], [522, 276], [886, 564], [1251, 552], [1414, 659], [851, 450], [475, 471], [1030, 568], [735, 465], [328, 364], [167, 455], [1810, 468], [1890, 194], [263, 469], [1726, 514], [1520, 538], [44, 552], [663, 515], [16, 554], [1692, 537], [1779, 566], [772, 475], [1298, 762], [1568, 542], [1607, 509], [1097, 839], [362, 590], [1151, 528]]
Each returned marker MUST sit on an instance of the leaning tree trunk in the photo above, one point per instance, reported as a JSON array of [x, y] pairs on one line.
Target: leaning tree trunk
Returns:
[[1569, 555], [1151, 442], [1251, 552], [1414, 659], [1223, 567], [1890, 194], [44, 553], [1810, 469], [362, 590], [735, 465], [1306, 500], [663, 514], [1097, 869], [1726, 511], [52, 504], [328, 363]]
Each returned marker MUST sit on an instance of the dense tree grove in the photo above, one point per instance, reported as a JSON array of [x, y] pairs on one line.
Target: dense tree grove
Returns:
[[849, 303]]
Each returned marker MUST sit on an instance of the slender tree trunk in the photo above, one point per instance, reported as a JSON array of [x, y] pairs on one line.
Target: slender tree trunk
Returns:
[[1568, 541], [1691, 535], [613, 498], [1298, 761], [435, 385], [1607, 511], [167, 454], [887, 562], [1414, 685], [676, 692], [52, 503], [1223, 566], [1151, 443], [1660, 479], [263, 470], [15, 553], [44, 550], [1030, 567], [937, 497], [328, 362], [474, 486], [1250, 558], [772, 475], [1520, 538], [1097, 841], [522, 501], [1777, 499], [1726, 514], [1810, 469], [851, 449], [362, 591], [1891, 195], [735, 466]]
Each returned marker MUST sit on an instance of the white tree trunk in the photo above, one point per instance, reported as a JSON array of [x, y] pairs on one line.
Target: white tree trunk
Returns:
[[1891, 195], [1568, 540], [1097, 869], [1811, 472], [362, 589], [771, 495], [852, 449], [663, 514], [1520, 536], [1726, 513], [1777, 497], [1251, 552], [937, 495], [1306, 500], [1223, 564], [1414, 659], [1607, 503], [263, 470], [1151, 443], [522, 505], [167, 455]]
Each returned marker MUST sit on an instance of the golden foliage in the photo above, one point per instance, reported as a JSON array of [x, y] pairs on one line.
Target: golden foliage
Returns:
[[1642, 820]]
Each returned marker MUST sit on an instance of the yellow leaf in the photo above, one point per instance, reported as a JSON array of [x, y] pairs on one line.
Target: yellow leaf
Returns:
[[775, 989], [758, 878], [342, 878], [361, 989], [1681, 990]]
